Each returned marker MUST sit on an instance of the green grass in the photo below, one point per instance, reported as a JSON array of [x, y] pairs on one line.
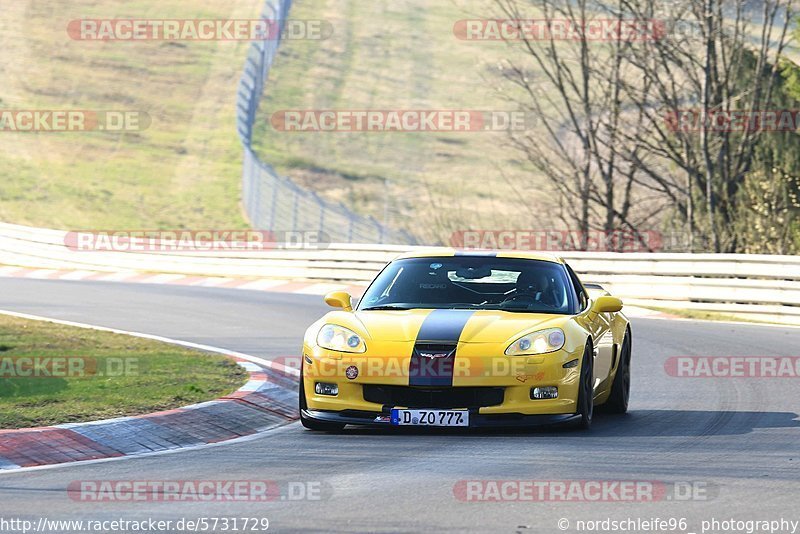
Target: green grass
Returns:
[[123, 375], [181, 172]]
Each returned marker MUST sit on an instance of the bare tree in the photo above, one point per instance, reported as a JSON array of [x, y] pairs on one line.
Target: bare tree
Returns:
[[715, 57], [574, 86]]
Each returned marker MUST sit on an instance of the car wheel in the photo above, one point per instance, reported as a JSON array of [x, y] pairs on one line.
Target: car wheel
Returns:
[[621, 388], [313, 424], [586, 390]]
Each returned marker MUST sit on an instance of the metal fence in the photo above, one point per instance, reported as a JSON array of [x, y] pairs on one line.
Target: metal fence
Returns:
[[274, 202]]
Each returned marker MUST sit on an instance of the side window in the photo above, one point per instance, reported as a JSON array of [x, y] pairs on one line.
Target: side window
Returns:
[[583, 298]]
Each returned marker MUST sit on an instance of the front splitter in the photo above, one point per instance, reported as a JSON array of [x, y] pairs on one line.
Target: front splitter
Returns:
[[476, 420]]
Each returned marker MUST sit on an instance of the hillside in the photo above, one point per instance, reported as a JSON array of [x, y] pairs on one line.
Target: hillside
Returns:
[[399, 55], [182, 171]]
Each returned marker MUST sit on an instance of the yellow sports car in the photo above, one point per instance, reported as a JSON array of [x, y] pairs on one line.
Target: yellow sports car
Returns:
[[467, 339]]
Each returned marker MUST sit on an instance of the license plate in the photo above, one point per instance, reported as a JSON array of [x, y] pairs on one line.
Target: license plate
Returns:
[[430, 417]]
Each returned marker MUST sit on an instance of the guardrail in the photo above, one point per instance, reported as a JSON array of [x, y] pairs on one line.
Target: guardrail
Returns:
[[744, 285], [275, 202]]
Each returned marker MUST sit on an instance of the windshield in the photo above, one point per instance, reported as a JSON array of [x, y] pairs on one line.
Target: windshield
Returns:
[[469, 282]]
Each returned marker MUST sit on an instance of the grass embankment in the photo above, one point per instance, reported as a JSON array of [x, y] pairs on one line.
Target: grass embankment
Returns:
[[85, 375], [181, 172], [401, 55]]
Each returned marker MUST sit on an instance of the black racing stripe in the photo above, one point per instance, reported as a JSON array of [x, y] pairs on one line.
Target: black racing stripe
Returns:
[[440, 328], [443, 326], [481, 253]]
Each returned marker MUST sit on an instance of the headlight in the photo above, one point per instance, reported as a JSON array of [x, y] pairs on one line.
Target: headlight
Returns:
[[540, 342], [339, 338]]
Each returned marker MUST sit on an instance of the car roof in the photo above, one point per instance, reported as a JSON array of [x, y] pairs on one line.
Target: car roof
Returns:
[[447, 252]]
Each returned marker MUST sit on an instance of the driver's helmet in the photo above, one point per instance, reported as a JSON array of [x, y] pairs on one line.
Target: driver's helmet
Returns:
[[532, 282]]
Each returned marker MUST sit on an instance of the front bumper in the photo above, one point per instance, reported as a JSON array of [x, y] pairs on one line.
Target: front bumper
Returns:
[[476, 420], [515, 376]]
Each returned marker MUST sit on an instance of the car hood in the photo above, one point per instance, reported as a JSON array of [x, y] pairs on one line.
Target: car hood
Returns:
[[466, 326]]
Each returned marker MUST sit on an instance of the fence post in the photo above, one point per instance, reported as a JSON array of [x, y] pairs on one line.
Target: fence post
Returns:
[[322, 208], [294, 210], [350, 231], [274, 207]]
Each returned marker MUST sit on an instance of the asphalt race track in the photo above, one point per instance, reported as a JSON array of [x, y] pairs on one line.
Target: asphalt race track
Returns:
[[738, 440]]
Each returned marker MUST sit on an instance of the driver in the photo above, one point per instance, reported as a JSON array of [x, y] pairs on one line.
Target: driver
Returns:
[[535, 286]]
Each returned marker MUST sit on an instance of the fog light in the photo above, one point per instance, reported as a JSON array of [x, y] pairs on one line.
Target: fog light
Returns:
[[323, 388], [547, 392]]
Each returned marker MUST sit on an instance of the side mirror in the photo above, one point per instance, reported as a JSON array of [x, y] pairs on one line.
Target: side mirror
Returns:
[[607, 304], [339, 299]]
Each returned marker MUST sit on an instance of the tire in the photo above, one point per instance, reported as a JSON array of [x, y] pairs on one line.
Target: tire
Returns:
[[586, 390], [621, 387], [313, 424]]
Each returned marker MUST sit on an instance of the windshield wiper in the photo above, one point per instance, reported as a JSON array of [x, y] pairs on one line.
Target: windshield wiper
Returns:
[[386, 307]]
